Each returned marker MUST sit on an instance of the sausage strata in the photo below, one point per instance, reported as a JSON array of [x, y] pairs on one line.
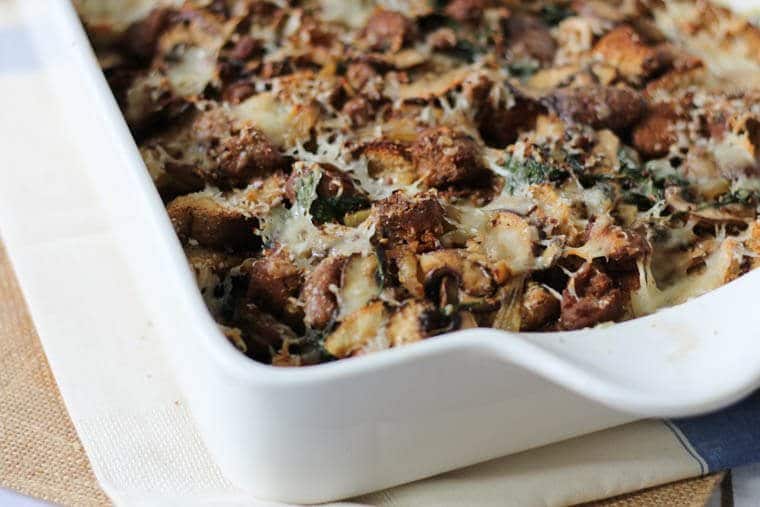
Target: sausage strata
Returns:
[[348, 177]]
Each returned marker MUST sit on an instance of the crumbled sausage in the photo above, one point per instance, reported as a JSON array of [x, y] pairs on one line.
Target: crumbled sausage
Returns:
[[244, 48], [247, 154], [444, 157], [359, 74], [655, 133], [465, 10], [624, 49], [273, 283], [238, 154], [201, 218], [539, 307], [141, 38], [635, 247], [529, 37], [591, 298], [359, 110], [599, 106], [387, 30], [318, 293], [415, 222], [238, 92]]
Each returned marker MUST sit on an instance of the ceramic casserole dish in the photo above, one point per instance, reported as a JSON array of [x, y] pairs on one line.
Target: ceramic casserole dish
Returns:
[[349, 427]]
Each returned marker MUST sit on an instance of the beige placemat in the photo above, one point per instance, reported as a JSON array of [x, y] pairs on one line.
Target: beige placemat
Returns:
[[41, 456]]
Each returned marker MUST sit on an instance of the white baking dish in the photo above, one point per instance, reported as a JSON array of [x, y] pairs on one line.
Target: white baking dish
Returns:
[[357, 425]]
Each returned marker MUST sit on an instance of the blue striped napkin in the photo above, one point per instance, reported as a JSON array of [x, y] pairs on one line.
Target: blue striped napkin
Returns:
[[723, 440]]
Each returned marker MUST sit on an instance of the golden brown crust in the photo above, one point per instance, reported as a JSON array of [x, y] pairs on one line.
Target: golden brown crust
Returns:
[[445, 157], [656, 132], [623, 49], [200, 218], [414, 223], [238, 155]]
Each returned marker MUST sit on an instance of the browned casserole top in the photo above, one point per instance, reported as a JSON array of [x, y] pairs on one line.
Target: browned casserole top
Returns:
[[350, 176]]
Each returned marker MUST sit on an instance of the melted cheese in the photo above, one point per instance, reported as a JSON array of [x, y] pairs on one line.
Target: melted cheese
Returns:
[[193, 70], [720, 267], [352, 13], [284, 123], [698, 26], [308, 243]]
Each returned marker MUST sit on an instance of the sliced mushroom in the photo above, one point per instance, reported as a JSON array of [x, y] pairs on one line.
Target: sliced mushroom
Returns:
[[730, 214], [409, 275], [318, 293], [442, 288], [475, 278]]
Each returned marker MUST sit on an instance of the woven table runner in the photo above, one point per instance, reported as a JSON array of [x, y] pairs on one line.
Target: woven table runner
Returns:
[[41, 456]]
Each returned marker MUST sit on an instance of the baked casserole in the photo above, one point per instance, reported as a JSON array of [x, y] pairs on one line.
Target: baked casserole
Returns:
[[351, 176]]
